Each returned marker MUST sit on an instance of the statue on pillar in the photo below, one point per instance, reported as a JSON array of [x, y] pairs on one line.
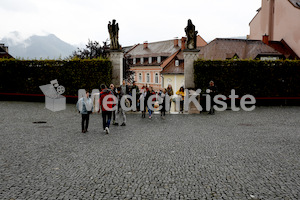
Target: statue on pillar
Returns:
[[113, 29], [191, 34]]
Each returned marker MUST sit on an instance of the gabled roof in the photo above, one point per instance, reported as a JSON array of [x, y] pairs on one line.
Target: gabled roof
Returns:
[[295, 3], [284, 48], [169, 59], [200, 41], [154, 49], [3, 52], [170, 67], [221, 48]]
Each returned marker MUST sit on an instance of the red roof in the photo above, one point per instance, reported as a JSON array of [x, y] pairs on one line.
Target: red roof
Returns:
[[284, 48], [170, 66]]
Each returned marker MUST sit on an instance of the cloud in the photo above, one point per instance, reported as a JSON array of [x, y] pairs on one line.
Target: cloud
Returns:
[[18, 6], [76, 21]]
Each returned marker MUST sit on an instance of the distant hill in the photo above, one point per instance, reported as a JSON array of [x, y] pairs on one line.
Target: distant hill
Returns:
[[36, 47]]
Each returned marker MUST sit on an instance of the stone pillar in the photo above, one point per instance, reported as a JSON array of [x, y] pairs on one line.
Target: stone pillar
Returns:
[[116, 58], [189, 57]]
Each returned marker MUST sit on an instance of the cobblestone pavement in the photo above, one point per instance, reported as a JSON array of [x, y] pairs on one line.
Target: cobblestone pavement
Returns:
[[230, 155]]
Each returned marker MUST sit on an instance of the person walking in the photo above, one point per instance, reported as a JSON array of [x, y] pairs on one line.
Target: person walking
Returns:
[[85, 106], [106, 107], [114, 92], [213, 90], [181, 94], [170, 93], [120, 110]]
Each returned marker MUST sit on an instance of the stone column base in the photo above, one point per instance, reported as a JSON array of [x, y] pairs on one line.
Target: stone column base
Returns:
[[189, 57], [116, 58]]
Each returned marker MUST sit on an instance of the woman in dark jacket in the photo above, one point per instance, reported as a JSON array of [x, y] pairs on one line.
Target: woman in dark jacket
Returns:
[[163, 109]]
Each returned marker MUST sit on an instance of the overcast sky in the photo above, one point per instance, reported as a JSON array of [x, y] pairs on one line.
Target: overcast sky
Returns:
[[76, 21]]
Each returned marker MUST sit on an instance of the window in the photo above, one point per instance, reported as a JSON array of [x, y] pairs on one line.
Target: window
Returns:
[[156, 77], [145, 60], [148, 78], [158, 59], [154, 59], [270, 58], [140, 77], [162, 58]]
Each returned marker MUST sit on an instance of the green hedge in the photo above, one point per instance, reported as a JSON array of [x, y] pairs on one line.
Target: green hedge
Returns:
[[258, 78], [25, 76]]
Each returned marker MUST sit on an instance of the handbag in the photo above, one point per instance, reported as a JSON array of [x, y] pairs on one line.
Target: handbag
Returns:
[[156, 104]]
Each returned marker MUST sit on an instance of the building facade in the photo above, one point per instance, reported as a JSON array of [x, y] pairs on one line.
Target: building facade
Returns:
[[279, 20], [148, 60], [173, 71]]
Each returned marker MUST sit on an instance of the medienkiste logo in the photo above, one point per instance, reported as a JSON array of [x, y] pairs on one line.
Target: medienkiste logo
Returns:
[[54, 100]]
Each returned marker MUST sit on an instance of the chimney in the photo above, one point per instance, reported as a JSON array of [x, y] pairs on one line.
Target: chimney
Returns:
[[183, 39], [145, 44], [176, 42], [5, 48], [265, 39]]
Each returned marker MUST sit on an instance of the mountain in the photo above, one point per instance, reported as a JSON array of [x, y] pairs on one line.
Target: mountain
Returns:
[[36, 47]]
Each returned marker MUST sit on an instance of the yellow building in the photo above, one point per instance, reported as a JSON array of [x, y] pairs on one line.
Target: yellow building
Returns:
[[173, 71]]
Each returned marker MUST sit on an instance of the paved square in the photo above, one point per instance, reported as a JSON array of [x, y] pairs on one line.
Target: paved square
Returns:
[[230, 155]]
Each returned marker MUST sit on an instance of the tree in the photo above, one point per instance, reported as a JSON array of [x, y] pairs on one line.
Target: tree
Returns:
[[93, 50], [127, 73]]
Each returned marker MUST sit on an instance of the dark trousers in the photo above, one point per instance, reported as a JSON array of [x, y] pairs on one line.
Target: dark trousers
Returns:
[[212, 103], [106, 117], [163, 109], [145, 108], [162, 112], [85, 118], [114, 115], [181, 106]]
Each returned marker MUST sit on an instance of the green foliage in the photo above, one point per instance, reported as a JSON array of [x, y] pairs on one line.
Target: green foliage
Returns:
[[25, 76], [258, 78], [93, 50]]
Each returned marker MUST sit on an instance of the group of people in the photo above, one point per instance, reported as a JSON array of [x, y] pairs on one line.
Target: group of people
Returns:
[[118, 115]]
